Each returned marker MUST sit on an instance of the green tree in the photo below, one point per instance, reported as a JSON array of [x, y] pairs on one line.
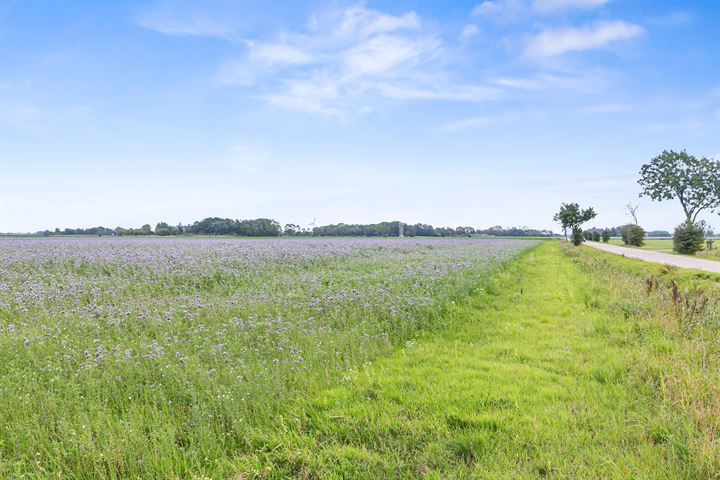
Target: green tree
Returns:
[[291, 229], [162, 228], [571, 216], [634, 235], [688, 238], [577, 236], [694, 182], [606, 236]]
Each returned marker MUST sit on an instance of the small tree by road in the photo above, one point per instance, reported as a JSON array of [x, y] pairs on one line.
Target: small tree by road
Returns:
[[571, 217], [688, 238]]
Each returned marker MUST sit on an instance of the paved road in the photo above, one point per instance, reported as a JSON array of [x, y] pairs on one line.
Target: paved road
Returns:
[[659, 257]]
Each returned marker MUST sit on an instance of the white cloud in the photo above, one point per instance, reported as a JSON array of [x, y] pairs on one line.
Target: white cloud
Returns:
[[317, 95], [236, 72], [504, 10], [554, 42], [513, 10], [358, 21], [384, 53], [470, 30], [346, 61], [33, 118], [280, 54], [547, 6], [588, 82], [458, 93], [178, 19]]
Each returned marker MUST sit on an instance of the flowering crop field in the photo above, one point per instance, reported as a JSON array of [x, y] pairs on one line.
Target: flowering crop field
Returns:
[[119, 356]]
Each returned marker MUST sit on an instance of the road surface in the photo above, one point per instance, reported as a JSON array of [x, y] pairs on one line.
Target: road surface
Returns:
[[681, 261]]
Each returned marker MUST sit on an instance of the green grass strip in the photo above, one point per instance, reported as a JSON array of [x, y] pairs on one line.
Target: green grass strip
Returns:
[[533, 379]]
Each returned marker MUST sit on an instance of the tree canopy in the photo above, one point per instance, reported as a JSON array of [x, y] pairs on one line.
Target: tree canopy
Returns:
[[571, 216], [694, 182]]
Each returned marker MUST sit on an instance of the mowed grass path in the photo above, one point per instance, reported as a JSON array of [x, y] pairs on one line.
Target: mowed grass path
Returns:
[[529, 380]]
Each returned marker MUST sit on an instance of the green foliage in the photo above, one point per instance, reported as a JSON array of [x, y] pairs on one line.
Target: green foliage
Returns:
[[633, 235], [688, 238], [260, 227], [577, 236], [571, 216], [595, 236], [694, 182], [606, 235], [163, 229]]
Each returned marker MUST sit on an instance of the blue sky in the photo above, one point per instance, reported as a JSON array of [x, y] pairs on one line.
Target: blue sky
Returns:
[[452, 113]]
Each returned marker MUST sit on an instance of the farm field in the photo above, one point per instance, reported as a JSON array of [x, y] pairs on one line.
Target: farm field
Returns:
[[665, 245], [340, 358], [130, 356]]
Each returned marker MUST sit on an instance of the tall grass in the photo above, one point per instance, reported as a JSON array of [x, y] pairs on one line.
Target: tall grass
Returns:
[[673, 319]]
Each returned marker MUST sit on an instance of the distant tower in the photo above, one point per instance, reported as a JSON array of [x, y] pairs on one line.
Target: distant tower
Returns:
[[401, 229]]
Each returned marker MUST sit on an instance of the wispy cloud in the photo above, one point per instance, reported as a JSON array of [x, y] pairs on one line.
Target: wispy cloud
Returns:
[[470, 30], [358, 21], [346, 61], [587, 81], [31, 117], [547, 6], [514, 10], [173, 18], [558, 41]]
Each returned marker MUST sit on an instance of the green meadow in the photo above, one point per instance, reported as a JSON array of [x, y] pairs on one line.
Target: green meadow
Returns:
[[534, 360]]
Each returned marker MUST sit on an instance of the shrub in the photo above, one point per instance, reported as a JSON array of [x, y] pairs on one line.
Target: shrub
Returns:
[[606, 235], [634, 235], [596, 237], [577, 236], [688, 238], [623, 233]]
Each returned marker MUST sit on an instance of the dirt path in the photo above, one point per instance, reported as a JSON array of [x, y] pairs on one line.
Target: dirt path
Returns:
[[659, 257]]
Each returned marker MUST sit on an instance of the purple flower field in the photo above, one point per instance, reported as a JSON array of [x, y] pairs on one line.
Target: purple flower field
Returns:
[[201, 340]]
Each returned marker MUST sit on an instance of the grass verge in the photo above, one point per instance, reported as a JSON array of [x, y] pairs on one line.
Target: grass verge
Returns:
[[570, 366]]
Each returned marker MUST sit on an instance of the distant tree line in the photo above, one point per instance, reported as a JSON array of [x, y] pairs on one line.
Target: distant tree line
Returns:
[[259, 227], [384, 229], [265, 227], [617, 232]]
